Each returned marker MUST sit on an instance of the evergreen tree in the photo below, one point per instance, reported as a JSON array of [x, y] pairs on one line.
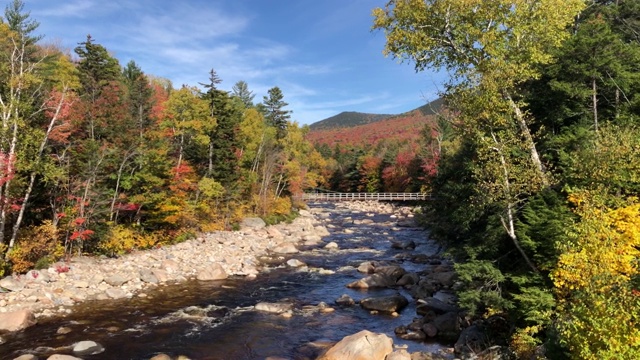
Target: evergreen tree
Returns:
[[97, 68], [275, 114], [241, 91], [140, 94]]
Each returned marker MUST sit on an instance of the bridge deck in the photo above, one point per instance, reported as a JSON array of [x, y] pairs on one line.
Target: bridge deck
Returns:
[[364, 196]]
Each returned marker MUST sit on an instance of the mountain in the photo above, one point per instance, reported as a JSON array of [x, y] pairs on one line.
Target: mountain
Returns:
[[347, 119], [352, 128]]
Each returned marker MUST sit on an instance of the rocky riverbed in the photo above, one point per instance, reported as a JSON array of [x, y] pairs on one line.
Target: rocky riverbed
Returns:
[[406, 279]]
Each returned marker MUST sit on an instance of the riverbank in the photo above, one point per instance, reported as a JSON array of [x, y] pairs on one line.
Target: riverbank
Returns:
[[212, 256]]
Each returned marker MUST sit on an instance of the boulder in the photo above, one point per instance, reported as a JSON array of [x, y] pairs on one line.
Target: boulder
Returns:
[[408, 279], [373, 281], [148, 276], [253, 223], [403, 245], [345, 300], [160, 274], [11, 284], [393, 271], [16, 320], [285, 248], [472, 340], [212, 272], [295, 263], [117, 279], [401, 354], [161, 357], [364, 345], [87, 347], [62, 357], [388, 304], [26, 357], [435, 305], [448, 326], [331, 245], [366, 267], [447, 278], [115, 293]]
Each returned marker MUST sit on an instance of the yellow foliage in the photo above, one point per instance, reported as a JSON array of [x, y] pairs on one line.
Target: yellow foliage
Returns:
[[524, 342], [122, 239], [593, 281], [281, 206], [35, 243]]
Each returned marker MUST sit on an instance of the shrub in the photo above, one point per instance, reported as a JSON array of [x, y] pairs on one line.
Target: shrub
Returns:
[[34, 244]]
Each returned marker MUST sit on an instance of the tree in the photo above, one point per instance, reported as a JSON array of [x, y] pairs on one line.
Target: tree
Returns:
[[275, 115], [241, 91]]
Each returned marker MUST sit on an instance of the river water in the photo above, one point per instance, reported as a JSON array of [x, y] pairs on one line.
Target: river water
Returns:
[[216, 320]]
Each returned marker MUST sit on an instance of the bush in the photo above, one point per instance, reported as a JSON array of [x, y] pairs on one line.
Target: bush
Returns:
[[123, 239], [33, 245]]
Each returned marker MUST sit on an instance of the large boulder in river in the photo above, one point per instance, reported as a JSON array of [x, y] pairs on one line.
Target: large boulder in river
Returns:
[[393, 271], [16, 320], [285, 248], [253, 223], [364, 345], [385, 303], [373, 281], [432, 304]]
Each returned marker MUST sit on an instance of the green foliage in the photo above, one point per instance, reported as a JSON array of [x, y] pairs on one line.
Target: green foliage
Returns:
[[275, 114], [483, 282]]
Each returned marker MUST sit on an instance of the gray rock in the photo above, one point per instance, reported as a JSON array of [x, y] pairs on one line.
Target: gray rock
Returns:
[[446, 278], [331, 245], [401, 354], [448, 326], [26, 357], [115, 293], [408, 279], [254, 223], [403, 245], [295, 263], [117, 279], [430, 329], [161, 357], [435, 305], [148, 276], [366, 267], [87, 347], [160, 274], [345, 300], [472, 340], [388, 304], [393, 271], [62, 357], [373, 281], [417, 335]]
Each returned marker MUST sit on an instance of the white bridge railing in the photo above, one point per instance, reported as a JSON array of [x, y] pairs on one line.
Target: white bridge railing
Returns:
[[364, 196]]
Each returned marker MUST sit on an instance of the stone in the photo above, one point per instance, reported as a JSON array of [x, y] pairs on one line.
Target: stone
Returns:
[[253, 223], [364, 345], [274, 233], [331, 246], [81, 284], [448, 326], [295, 263], [37, 276], [274, 308], [385, 303], [446, 278], [401, 354], [148, 276], [87, 347], [62, 357], [161, 357], [285, 248], [17, 320], [26, 357], [160, 274], [435, 305], [345, 300], [408, 279], [472, 340], [63, 330], [373, 281], [430, 329], [393, 271], [403, 245], [366, 267], [117, 279], [213, 272], [11, 284], [115, 293], [417, 335]]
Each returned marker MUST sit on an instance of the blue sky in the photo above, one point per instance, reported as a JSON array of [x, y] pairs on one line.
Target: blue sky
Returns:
[[321, 53]]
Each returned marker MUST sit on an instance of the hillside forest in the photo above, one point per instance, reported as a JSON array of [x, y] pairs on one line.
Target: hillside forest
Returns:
[[532, 155]]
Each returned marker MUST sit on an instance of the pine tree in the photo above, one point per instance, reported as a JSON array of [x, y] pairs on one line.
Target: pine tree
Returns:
[[275, 114], [241, 91]]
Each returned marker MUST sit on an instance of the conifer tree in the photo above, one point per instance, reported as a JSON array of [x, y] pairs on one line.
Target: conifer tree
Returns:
[[275, 114]]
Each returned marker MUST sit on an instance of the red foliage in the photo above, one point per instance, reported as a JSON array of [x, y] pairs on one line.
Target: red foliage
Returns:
[[63, 126], [81, 235]]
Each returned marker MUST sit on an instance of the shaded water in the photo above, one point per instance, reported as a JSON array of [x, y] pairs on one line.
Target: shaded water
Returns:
[[215, 320]]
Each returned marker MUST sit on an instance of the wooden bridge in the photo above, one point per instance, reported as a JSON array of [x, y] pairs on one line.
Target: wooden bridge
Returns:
[[337, 196]]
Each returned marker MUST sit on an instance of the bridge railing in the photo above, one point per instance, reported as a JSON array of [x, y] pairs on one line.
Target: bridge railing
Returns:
[[364, 196]]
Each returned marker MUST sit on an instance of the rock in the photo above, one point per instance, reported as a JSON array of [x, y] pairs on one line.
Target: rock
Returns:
[[148, 276], [447, 278], [63, 357], [274, 233], [63, 330], [117, 279], [11, 284], [161, 357], [331, 246], [430, 329], [37, 276], [160, 274], [424, 289], [472, 340], [345, 300], [393, 271], [213, 272], [448, 326], [253, 223], [115, 293], [403, 245], [26, 357], [81, 284], [295, 263], [364, 345], [435, 305], [373, 281], [17, 320], [274, 308], [366, 267], [417, 335], [401, 354], [87, 347], [285, 248], [385, 303], [408, 279]]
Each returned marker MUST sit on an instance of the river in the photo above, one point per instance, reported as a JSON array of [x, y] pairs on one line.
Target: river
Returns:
[[216, 320]]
